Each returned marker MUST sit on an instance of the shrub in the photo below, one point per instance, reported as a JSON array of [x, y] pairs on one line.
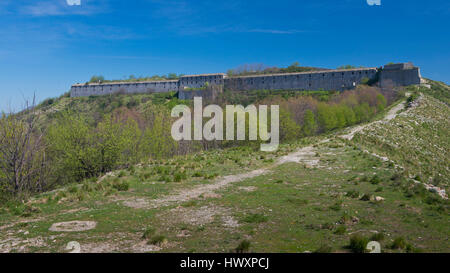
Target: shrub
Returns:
[[178, 177], [148, 233], [132, 169], [399, 243], [352, 194], [121, 185], [255, 218], [358, 243], [375, 180], [340, 230], [377, 237], [191, 203], [243, 247], [158, 240], [365, 197]]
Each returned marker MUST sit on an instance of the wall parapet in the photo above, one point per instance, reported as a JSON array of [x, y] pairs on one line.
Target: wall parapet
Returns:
[[339, 80]]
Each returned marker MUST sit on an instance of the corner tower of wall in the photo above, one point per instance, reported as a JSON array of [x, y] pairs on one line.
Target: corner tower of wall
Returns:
[[402, 74]]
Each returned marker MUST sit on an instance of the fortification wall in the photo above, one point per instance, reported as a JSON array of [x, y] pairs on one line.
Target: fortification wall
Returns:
[[209, 93], [199, 81], [326, 80], [82, 90], [392, 75]]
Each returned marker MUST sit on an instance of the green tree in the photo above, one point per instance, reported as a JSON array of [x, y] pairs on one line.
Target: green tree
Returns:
[[71, 147], [326, 117], [381, 102], [349, 115], [309, 124], [339, 112], [289, 129], [97, 79]]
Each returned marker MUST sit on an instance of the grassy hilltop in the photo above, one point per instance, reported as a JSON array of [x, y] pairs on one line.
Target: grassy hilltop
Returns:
[[376, 171]]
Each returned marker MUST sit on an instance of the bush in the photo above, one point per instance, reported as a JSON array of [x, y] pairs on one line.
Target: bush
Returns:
[[178, 177], [255, 218], [340, 230], [399, 243], [243, 247], [375, 180], [358, 243], [352, 194], [158, 240], [121, 185], [365, 197], [377, 237], [148, 233]]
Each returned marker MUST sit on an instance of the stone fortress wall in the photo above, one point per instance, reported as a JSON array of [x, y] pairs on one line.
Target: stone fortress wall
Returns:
[[187, 86]]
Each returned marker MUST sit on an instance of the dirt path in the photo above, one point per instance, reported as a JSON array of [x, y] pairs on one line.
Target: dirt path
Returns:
[[194, 193]]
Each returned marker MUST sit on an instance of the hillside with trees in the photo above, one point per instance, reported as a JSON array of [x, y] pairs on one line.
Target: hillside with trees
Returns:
[[114, 155]]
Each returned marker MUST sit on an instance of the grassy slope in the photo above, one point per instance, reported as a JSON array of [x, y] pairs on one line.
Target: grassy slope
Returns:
[[295, 207], [418, 140]]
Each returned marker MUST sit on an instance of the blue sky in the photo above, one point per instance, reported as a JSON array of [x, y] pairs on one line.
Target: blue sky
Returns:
[[47, 45]]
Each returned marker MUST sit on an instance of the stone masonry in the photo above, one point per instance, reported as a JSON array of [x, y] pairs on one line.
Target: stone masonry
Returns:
[[391, 75]]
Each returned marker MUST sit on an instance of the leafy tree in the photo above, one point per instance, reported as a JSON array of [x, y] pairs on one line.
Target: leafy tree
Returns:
[[71, 147], [349, 115], [309, 124], [347, 66], [288, 128], [23, 166], [381, 102], [326, 117], [97, 79], [340, 116]]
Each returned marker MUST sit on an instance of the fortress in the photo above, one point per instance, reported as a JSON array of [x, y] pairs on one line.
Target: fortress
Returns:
[[210, 85]]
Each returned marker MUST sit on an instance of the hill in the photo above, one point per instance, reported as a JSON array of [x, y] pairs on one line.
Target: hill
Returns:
[[327, 193]]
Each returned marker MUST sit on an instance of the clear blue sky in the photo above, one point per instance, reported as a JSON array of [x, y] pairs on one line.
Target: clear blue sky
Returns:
[[47, 45]]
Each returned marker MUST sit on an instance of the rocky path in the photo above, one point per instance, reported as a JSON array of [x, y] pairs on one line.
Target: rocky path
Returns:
[[391, 114]]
